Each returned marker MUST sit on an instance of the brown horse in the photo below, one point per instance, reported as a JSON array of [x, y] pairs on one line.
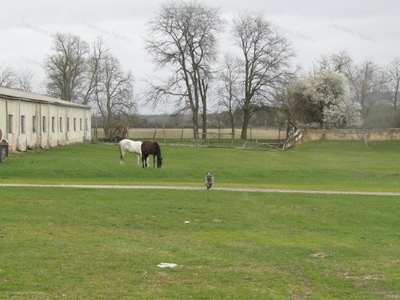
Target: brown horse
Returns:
[[154, 149]]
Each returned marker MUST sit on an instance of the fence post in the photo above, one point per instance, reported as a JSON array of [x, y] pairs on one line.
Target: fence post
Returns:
[[165, 142], [181, 136], [154, 134], [365, 139]]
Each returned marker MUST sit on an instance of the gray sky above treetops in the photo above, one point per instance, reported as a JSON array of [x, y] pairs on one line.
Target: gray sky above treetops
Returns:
[[365, 29]]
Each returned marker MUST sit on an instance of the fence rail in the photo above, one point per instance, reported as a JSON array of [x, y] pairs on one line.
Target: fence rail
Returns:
[[258, 138], [221, 137]]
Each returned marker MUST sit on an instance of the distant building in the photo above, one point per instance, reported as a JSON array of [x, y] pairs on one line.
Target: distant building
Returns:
[[32, 121]]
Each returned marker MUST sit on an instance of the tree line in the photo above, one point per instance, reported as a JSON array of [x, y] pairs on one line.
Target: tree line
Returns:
[[259, 77]]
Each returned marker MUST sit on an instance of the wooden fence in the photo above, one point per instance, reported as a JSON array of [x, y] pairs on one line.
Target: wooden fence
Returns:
[[215, 136]]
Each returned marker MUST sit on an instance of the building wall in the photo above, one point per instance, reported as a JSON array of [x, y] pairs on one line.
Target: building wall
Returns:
[[364, 135], [3, 120], [32, 124]]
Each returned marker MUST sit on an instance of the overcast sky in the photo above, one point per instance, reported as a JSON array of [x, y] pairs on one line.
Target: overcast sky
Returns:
[[365, 29]]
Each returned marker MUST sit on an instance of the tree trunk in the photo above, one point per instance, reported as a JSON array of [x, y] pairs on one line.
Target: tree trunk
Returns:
[[195, 125], [204, 127], [203, 94], [246, 120], [232, 120]]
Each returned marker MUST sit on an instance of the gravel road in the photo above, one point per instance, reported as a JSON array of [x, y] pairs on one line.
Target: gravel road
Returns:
[[193, 188]]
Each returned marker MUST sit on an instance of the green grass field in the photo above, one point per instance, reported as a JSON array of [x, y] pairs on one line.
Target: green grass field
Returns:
[[86, 243], [338, 165]]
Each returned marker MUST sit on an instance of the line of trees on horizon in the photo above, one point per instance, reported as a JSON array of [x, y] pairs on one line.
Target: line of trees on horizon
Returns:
[[257, 84]]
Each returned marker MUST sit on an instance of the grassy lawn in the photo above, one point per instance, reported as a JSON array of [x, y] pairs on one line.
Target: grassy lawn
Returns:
[[106, 244], [347, 166], [82, 243]]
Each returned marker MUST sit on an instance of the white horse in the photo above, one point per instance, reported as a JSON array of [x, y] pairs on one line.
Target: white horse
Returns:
[[127, 145]]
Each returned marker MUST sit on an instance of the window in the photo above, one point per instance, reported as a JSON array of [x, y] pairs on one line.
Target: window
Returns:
[[22, 124], [34, 124], [74, 124], [10, 124], [44, 124], [67, 124], [61, 125], [53, 125], [86, 125], [80, 124]]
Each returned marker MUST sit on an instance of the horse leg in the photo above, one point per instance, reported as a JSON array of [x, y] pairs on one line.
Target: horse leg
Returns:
[[121, 159], [144, 160], [154, 160]]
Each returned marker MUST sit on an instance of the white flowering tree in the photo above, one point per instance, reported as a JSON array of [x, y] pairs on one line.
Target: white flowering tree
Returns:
[[324, 99]]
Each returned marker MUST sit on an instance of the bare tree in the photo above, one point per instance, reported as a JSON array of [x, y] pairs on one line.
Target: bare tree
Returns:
[[7, 77], [182, 38], [230, 90], [94, 78], [25, 80], [394, 85], [22, 78], [367, 81], [114, 96], [339, 62], [266, 62], [66, 67], [287, 100], [93, 70]]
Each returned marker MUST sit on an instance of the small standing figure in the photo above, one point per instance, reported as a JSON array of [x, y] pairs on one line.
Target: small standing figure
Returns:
[[209, 180]]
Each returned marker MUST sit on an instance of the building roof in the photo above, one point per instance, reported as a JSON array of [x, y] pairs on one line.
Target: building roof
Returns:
[[16, 94]]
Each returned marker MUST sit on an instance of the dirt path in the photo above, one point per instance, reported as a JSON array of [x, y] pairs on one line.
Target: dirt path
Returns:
[[193, 188]]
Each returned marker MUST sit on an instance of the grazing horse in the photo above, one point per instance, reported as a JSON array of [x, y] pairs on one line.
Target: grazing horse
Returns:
[[154, 149], [127, 145]]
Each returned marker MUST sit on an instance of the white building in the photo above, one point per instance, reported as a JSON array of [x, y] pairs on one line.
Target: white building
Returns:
[[31, 121]]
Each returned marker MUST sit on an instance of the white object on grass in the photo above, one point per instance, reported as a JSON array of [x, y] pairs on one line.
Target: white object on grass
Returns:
[[167, 265]]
